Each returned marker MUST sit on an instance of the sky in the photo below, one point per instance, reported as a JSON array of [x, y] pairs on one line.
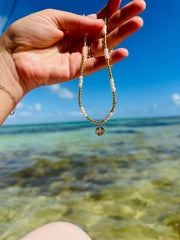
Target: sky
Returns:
[[147, 81]]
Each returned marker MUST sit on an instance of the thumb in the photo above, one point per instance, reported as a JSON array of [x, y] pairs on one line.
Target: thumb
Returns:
[[71, 22]]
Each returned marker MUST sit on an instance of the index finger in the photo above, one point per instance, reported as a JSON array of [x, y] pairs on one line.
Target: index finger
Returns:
[[72, 22]]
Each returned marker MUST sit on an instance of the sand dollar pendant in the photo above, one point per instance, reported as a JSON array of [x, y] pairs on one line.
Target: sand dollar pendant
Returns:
[[100, 131]]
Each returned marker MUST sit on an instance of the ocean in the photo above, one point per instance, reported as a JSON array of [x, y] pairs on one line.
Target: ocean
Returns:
[[124, 185]]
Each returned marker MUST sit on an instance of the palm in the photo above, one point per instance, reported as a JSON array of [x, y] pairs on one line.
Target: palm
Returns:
[[44, 57]]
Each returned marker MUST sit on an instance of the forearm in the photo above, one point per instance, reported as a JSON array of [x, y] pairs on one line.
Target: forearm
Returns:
[[10, 81]]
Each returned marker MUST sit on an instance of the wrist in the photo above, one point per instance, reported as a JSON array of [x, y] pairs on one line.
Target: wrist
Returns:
[[9, 78]]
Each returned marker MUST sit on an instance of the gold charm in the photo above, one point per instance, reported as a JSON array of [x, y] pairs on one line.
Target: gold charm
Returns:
[[100, 131]]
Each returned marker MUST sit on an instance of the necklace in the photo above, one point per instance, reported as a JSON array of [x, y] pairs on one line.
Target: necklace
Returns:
[[99, 130]]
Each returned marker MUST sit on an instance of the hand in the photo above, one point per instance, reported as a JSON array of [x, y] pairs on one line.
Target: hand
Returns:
[[46, 46]]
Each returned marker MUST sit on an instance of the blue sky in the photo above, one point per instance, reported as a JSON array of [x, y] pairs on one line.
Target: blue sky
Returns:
[[147, 81]]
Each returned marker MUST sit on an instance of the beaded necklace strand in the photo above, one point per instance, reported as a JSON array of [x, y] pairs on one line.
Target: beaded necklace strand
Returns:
[[99, 130]]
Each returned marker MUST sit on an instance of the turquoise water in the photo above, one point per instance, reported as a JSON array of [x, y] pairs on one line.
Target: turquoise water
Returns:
[[123, 185]]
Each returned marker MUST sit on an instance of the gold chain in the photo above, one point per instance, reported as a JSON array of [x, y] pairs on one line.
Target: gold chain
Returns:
[[107, 58]]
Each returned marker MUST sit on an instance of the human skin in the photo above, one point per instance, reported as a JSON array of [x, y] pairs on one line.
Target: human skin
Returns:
[[58, 231], [45, 47]]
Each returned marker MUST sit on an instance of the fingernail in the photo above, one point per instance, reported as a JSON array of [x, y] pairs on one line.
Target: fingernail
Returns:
[[139, 1], [99, 21]]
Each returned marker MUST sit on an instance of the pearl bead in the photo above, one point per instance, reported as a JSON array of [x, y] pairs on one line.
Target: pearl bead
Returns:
[[113, 89], [112, 85], [83, 111], [111, 80], [105, 29], [80, 85], [106, 53]]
